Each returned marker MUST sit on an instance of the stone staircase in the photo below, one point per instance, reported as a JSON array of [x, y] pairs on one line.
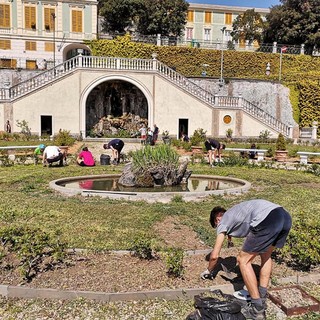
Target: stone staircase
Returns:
[[10, 94]]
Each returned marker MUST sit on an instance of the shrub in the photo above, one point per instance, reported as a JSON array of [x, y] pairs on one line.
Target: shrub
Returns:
[[233, 160], [31, 246], [264, 135], [303, 246], [25, 129], [229, 133], [314, 169], [5, 160], [174, 261], [142, 247], [281, 142], [198, 137], [63, 138]]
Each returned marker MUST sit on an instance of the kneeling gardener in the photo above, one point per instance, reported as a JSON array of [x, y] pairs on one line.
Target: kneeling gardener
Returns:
[[265, 225]]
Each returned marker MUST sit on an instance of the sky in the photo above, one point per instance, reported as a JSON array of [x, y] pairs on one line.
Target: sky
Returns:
[[240, 3]]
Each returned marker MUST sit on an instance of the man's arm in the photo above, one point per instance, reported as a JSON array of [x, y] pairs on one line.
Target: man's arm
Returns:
[[214, 256], [44, 157]]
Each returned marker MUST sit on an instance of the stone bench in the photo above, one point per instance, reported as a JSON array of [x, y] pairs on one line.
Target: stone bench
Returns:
[[17, 151], [260, 152], [304, 156]]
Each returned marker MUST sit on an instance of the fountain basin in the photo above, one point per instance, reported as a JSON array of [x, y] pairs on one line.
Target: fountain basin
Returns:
[[198, 188]]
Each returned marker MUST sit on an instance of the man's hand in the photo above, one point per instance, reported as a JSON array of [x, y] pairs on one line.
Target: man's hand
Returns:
[[206, 275]]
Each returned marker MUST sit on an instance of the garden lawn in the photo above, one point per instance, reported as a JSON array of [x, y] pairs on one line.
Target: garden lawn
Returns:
[[99, 224]]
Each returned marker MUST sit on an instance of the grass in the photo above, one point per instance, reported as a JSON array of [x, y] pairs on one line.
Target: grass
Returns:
[[108, 224]]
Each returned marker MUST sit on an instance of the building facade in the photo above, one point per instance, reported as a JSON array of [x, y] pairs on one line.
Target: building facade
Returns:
[[211, 25], [40, 34]]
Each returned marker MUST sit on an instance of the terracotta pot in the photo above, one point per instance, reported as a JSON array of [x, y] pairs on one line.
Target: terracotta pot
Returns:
[[281, 155], [64, 149]]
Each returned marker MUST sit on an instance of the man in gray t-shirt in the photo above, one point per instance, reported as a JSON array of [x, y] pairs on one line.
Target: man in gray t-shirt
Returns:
[[265, 225]]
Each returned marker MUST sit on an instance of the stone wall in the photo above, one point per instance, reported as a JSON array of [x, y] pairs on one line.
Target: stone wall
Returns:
[[269, 96]]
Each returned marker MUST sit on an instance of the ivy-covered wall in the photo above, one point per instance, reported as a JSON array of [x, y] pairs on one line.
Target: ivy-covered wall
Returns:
[[300, 73]]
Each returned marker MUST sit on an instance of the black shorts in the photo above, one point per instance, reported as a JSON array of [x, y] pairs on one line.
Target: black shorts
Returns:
[[119, 146], [272, 231], [82, 164], [208, 146], [55, 159]]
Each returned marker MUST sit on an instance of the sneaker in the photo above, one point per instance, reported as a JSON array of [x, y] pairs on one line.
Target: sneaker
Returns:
[[251, 312], [245, 296], [242, 295]]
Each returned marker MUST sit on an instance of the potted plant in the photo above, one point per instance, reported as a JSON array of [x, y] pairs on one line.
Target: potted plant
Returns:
[[229, 133], [33, 26], [166, 137], [64, 140], [47, 27], [281, 152]]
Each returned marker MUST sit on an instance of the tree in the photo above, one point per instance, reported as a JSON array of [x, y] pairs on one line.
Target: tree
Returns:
[[248, 26], [118, 15], [165, 17], [149, 17], [294, 22]]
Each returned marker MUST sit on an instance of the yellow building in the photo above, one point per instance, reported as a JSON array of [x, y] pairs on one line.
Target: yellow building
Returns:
[[209, 25], [37, 34]]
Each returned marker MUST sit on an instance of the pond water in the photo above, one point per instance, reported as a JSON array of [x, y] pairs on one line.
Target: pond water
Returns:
[[106, 186], [193, 185]]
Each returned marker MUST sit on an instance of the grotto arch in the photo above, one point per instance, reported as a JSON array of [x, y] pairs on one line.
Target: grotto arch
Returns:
[[119, 97]]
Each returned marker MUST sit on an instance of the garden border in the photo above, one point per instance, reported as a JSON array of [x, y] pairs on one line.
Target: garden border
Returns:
[[46, 293], [9, 291]]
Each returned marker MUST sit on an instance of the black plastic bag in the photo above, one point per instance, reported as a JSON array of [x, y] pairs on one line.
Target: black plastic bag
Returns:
[[209, 308]]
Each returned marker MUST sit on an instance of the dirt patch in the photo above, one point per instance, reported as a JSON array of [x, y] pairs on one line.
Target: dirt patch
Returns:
[[110, 272], [176, 234]]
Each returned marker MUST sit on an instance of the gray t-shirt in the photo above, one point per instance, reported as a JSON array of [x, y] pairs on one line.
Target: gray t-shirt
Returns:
[[237, 220]]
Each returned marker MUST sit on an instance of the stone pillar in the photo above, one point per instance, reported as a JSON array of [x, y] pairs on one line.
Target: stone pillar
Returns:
[[290, 132], [247, 45], [260, 155], [80, 60], [314, 130], [158, 39], [154, 61], [303, 159], [7, 85], [240, 101], [302, 49], [274, 47]]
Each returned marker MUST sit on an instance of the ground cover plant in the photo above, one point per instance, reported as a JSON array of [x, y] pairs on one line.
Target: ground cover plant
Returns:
[[101, 224]]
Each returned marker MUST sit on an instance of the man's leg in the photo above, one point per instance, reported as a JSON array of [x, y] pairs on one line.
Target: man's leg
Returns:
[[266, 268], [210, 156], [247, 272], [254, 310]]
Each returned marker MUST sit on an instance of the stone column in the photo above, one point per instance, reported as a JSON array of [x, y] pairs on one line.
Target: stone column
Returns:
[[314, 130], [158, 39], [80, 60], [274, 47], [290, 132], [7, 85]]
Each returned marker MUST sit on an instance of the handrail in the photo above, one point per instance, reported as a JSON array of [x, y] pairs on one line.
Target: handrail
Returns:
[[145, 65]]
